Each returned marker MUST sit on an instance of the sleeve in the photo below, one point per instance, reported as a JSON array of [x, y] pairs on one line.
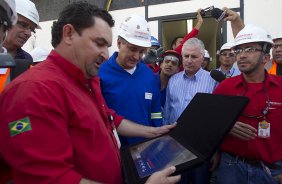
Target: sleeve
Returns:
[[156, 108], [116, 118], [42, 153], [166, 111], [192, 34]]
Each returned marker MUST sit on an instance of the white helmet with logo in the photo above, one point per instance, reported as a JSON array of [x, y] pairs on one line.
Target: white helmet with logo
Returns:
[[250, 34], [27, 9], [135, 29], [278, 36], [226, 46], [207, 55], [9, 6]]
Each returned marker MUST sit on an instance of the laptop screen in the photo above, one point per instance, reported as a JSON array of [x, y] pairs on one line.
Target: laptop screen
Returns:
[[157, 154]]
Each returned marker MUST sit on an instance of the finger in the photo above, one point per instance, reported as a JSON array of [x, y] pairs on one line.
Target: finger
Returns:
[[242, 135], [174, 179], [246, 126], [244, 131], [171, 126], [168, 171]]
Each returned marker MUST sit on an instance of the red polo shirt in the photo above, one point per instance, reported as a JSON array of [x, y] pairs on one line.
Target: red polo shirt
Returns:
[[70, 136], [266, 149]]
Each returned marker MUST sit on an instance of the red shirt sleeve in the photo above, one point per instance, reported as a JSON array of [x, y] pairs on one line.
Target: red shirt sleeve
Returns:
[[116, 118], [192, 34]]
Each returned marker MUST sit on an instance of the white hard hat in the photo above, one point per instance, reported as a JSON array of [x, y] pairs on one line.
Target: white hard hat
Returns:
[[277, 36], [250, 34], [39, 54], [135, 29], [226, 46], [9, 6], [27, 9], [207, 55]]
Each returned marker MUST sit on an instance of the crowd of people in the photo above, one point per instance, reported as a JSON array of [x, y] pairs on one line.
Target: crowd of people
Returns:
[[65, 120]]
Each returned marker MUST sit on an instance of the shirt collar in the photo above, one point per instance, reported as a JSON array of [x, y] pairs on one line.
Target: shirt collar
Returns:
[[197, 75], [269, 79], [69, 68]]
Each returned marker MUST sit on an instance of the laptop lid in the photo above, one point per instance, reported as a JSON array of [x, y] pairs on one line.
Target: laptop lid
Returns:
[[200, 129]]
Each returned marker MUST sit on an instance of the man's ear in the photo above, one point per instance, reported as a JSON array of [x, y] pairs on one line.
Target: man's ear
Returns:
[[266, 58], [119, 43], [67, 34]]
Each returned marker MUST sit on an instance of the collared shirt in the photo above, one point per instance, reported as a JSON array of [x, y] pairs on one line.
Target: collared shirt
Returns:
[[135, 96], [231, 73], [180, 91], [21, 54], [71, 135], [267, 149]]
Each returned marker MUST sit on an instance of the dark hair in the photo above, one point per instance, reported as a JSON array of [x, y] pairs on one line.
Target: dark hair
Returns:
[[174, 41], [4, 19], [266, 47], [80, 16]]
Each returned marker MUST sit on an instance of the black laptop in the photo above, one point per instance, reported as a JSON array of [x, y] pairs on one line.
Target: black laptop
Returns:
[[200, 130]]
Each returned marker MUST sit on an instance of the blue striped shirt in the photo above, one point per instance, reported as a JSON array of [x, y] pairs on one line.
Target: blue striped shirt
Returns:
[[180, 91], [231, 73]]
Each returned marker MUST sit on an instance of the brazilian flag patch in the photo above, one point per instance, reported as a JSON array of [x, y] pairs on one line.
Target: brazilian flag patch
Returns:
[[19, 126]]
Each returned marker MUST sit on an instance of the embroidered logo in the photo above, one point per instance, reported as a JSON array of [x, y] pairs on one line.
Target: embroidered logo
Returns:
[[19, 126]]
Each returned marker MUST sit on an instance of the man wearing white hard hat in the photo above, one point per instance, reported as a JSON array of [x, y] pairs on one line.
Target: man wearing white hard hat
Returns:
[[252, 152], [128, 85], [275, 65], [227, 59], [207, 60], [59, 104], [28, 21]]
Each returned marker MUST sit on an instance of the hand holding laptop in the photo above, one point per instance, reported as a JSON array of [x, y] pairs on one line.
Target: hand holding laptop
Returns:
[[163, 177]]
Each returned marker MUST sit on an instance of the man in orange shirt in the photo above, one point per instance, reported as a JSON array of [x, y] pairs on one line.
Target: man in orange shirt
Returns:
[[274, 66]]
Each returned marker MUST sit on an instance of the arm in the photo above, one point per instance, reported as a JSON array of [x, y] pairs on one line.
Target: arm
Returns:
[[193, 33], [131, 129], [239, 130], [236, 22], [167, 110]]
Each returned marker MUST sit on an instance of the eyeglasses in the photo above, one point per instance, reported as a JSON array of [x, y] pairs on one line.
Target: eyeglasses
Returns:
[[174, 63], [246, 50], [25, 26], [229, 54], [276, 46]]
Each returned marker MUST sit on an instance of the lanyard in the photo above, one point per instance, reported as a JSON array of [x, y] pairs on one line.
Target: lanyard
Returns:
[[264, 111]]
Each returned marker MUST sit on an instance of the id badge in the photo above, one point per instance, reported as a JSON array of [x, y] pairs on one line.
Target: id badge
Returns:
[[116, 136], [264, 129]]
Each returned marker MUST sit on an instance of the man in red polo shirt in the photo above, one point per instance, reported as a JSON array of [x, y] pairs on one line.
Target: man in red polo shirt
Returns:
[[252, 153], [55, 125]]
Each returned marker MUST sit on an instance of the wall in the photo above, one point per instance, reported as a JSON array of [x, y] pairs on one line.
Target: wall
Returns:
[[265, 13]]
